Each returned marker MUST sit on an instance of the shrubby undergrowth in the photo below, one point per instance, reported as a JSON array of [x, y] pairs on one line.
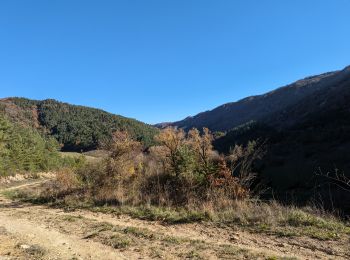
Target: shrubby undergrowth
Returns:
[[182, 170]]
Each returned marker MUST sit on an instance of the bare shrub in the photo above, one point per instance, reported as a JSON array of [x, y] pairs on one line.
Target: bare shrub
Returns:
[[183, 170], [109, 181], [224, 187], [336, 178], [68, 179], [65, 183]]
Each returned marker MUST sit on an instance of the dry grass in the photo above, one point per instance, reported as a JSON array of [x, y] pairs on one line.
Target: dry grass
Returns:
[[273, 218], [74, 155], [255, 216]]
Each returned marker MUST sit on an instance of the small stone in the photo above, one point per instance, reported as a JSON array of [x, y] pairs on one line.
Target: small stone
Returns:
[[281, 245], [233, 238], [24, 247]]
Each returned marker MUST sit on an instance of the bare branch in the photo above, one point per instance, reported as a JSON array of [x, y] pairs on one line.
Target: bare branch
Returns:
[[338, 179]]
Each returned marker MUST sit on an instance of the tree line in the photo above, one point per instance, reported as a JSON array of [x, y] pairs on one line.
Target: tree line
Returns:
[[24, 149]]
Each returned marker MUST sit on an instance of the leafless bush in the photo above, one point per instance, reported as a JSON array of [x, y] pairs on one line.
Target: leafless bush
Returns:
[[336, 178], [183, 170], [241, 160]]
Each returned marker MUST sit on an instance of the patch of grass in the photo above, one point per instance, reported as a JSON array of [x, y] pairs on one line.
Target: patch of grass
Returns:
[[291, 231], [138, 232], [91, 235], [275, 219], [280, 258], [10, 194], [156, 253], [119, 242], [173, 240], [193, 253], [74, 155], [3, 231], [320, 234], [165, 215], [229, 251], [103, 226], [26, 197], [268, 218], [97, 229], [36, 250], [298, 218], [232, 252], [33, 250], [70, 218], [285, 232], [322, 228]]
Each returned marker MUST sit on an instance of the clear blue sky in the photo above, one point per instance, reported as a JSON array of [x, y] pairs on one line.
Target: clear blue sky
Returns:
[[162, 60]]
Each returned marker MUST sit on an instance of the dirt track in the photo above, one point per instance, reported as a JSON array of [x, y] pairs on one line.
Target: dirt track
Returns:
[[39, 232]]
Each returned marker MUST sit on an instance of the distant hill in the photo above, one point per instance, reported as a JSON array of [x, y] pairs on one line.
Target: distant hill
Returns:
[[259, 108], [324, 114], [76, 128]]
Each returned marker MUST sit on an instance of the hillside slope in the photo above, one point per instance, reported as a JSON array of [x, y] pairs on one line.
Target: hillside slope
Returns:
[[301, 140], [305, 127], [75, 127], [259, 108]]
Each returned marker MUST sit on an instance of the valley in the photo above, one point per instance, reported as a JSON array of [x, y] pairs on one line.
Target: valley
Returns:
[[253, 182], [175, 130]]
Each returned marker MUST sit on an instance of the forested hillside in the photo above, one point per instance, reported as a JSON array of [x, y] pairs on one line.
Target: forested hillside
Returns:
[[76, 128]]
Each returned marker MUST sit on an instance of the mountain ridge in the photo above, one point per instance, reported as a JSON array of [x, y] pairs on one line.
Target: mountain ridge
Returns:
[[232, 114]]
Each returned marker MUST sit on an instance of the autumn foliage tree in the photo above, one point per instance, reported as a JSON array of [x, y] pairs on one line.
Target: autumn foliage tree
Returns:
[[123, 153], [113, 179], [202, 146], [172, 140]]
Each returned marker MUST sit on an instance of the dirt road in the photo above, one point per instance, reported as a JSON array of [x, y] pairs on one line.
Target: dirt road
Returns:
[[38, 232]]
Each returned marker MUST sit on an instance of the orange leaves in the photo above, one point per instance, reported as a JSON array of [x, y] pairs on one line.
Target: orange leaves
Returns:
[[171, 138], [201, 144], [223, 180], [123, 145]]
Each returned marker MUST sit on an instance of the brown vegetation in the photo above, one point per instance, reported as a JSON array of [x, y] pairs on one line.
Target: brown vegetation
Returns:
[[182, 170]]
